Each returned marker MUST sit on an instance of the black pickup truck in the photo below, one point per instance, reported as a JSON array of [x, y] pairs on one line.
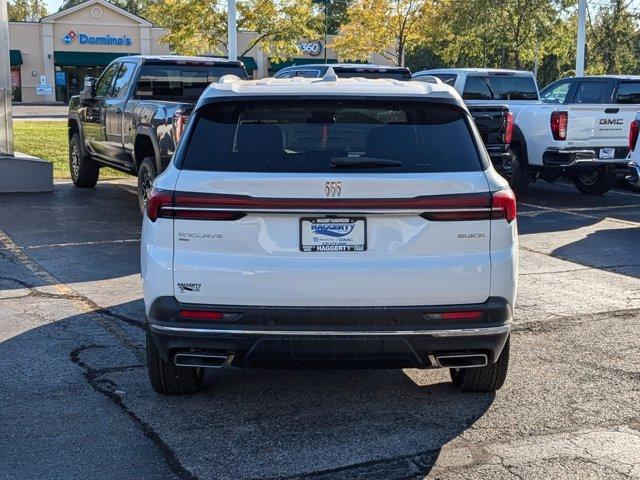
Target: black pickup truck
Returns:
[[131, 118], [495, 124]]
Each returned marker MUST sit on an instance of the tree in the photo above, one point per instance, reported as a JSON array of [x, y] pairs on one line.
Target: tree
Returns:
[[23, 10], [496, 33], [613, 40], [336, 11], [200, 26], [386, 27], [137, 7]]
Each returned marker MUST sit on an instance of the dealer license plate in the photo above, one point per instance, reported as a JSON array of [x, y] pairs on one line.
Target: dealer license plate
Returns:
[[333, 234]]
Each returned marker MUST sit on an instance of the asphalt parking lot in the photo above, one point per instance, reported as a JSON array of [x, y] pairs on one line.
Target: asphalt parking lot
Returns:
[[75, 401]]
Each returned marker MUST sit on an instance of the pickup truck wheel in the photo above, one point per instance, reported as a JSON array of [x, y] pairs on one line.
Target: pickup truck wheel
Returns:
[[518, 178], [147, 173], [168, 379], [482, 379], [84, 171], [595, 181]]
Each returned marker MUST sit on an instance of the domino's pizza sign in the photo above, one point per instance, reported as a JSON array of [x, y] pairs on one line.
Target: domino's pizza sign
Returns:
[[84, 39]]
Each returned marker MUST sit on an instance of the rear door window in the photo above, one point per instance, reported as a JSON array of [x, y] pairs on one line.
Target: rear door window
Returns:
[[180, 82], [331, 135], [591, 92], [628, 93]]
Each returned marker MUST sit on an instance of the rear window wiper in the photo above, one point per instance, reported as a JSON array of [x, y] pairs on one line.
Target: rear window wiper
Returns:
[[363, 162]]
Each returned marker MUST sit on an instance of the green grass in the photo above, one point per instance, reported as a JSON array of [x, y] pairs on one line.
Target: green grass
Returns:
[[48, 140]]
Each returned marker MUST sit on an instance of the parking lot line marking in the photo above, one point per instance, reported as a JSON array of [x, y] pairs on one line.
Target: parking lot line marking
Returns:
[[583, 215], [81, 244], [80, 302]]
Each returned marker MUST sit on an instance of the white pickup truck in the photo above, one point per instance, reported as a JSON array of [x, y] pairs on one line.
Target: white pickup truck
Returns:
[[576, 127]]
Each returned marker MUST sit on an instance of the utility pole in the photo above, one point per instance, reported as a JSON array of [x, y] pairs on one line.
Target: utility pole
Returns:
[[326, 27], [232, 34], [580, 47]]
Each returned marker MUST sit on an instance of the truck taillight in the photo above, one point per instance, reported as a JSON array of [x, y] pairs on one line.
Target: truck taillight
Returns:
[[503, 205], [559, 122], [634, 128], [179, 123], [508, 127]]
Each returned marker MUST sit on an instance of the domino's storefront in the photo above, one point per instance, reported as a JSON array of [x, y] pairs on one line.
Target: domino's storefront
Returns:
[[52, 57]]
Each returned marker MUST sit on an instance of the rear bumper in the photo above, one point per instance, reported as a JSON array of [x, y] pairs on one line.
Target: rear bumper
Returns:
[[363, 337], [634, 173], [580, 158]]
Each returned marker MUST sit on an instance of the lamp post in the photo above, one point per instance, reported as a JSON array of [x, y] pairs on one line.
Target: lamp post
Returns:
[[326, 27], [6, 121], [582, 20], [232, 34]]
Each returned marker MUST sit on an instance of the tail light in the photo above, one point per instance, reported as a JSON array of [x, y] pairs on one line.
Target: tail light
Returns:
[[165, 204], [202, 206], [503, 205], [179, 123], [559, 122], [508, 127], [634, 128]]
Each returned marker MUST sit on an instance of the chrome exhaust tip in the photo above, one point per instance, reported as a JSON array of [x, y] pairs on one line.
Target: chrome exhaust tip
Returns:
[[202, 360], [462, 361]]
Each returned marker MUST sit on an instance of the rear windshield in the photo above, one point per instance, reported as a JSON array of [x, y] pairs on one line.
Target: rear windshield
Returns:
[[500, 87], [329, 135], [180, 82]]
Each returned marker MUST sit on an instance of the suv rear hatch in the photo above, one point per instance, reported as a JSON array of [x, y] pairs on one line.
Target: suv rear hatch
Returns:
[[319, 202]]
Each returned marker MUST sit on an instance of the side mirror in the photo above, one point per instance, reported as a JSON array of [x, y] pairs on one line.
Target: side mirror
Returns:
[[89, 90]]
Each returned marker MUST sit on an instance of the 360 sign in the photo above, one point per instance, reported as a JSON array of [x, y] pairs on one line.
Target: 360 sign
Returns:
[[312, 48]]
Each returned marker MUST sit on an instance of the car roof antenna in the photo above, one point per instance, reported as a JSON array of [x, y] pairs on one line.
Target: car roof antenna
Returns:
[[330, 75]]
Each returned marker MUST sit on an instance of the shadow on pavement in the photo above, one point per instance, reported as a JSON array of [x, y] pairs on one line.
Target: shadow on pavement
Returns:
[[78, 235], [245, 424]]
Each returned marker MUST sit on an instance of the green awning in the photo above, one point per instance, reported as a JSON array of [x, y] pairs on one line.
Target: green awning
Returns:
[[249, 63], [15, 57], [86, 59]]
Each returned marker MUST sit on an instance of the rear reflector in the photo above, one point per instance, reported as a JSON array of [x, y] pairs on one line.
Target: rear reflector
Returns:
[[503, 205], [201, 315], [472, 315], [465, 315]]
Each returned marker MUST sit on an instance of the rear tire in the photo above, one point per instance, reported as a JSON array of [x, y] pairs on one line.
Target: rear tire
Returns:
[[482, 379], [518, 178], [147, 173], [84, 171], [595, 181], [168, 379]]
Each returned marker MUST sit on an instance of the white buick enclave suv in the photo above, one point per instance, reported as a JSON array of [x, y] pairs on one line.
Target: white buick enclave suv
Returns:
[[329, 222]]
